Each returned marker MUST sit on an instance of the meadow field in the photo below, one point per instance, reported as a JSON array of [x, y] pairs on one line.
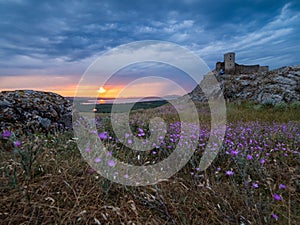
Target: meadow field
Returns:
[[255, 179]]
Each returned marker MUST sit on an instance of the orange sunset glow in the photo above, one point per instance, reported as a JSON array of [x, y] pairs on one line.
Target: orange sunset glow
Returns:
[[68, 87], [65, 86], [89, 91]]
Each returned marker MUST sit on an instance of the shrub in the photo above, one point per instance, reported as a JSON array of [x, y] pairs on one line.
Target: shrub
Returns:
[[280, 106]]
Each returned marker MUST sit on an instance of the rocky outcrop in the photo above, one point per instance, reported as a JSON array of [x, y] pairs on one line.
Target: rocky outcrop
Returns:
[[277, 86], [27, 111]]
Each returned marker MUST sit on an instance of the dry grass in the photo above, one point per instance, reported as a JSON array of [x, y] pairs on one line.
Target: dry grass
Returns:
[[61, 188]]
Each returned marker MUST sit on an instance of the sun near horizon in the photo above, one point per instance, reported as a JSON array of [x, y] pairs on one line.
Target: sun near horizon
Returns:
[[101, 90]]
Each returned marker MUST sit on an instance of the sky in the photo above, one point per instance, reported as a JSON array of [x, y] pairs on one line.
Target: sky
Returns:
[[49, 45]]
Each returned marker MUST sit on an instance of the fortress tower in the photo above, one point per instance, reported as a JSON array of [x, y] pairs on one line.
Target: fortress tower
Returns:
[[229, 66], [229, 61]]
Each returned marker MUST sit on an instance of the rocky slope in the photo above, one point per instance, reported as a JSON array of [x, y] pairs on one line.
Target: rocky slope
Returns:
[[277, 86], [27, 111]]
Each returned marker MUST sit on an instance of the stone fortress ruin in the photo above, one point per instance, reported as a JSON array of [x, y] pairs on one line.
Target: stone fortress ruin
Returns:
[[229, 66]]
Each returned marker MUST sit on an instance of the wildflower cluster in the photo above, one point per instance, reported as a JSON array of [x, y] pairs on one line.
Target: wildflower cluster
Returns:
[[249, 151]]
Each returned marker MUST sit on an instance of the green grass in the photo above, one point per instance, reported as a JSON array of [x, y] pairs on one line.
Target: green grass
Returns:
[[249, 111], [123, 107]]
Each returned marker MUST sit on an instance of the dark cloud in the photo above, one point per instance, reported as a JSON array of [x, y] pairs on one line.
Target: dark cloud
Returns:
[[36, 36]]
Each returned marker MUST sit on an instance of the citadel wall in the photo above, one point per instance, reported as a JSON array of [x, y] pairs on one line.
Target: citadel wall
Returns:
[[229, 66]]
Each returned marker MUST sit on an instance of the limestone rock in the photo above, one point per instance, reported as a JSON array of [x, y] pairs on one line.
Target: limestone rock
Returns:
[[278, 86], [26, 111]]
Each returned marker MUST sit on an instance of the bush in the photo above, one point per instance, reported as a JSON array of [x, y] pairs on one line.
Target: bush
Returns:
[[295, 105], [280, 106]]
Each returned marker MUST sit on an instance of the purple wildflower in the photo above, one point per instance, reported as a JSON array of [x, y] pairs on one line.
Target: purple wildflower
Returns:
[[111, 163], [274, 216], [17, 144], [193, 136], [97, 160], [229, 173], [282, 186], [262, 161], [277, 197], [255, 185], [234, 152], [141, 132], [249, 157], [103, 135], [6, 134]]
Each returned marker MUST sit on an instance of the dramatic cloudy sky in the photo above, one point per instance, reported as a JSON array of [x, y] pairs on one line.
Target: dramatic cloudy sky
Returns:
[[47, 45]]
